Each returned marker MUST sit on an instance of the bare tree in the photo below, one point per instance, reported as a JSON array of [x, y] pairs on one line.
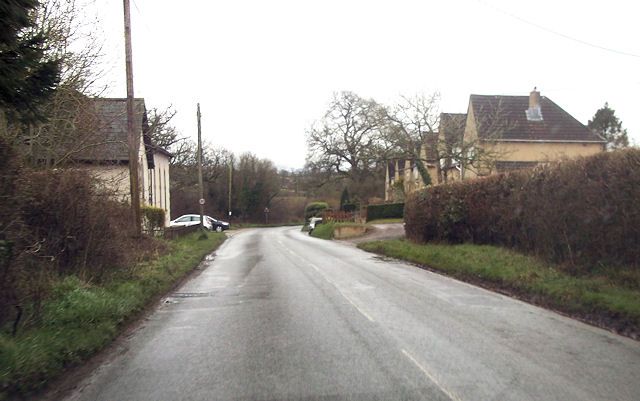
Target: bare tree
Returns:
[[73, 37], [348, 140], [478, 152], [417, 131], [70, 124], [412, 131]]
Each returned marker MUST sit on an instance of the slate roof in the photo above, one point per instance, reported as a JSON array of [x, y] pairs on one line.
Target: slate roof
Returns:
[[507, 115], [452, 126], [111, 132]]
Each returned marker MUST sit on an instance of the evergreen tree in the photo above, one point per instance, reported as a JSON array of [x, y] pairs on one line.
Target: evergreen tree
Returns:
[[27, 75], [606, 124], [344, 198]]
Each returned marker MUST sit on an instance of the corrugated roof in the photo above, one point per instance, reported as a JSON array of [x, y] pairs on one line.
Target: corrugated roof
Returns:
[[504, 118]]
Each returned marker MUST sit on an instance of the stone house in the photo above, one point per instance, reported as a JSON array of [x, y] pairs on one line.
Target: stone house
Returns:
[[108, 157], [524, 131], [512, 132]]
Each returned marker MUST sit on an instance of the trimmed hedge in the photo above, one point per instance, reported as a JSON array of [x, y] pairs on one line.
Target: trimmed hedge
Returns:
[[386, 211], [315, 209], [583, 212], [153, 217]]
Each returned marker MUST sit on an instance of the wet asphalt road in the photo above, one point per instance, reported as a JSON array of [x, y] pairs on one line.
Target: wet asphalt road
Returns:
[[281, 316]]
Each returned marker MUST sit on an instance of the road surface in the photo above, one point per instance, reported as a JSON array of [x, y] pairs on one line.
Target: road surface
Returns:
[[277, 315]]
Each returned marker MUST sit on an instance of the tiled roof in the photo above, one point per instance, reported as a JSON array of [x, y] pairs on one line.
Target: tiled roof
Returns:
[[452, 126], [504, 118]]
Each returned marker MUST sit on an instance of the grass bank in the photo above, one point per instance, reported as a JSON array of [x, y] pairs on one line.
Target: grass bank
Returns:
[[328, 230], [81, 318], [386, 221], [605, 297]]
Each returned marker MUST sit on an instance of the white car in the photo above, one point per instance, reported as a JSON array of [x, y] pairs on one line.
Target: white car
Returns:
[[190, 220]]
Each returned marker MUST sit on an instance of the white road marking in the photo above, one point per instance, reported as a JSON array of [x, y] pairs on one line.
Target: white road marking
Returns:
[[431, 377]]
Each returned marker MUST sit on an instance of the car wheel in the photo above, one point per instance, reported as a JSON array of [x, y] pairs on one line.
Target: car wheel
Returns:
[[218, 229]]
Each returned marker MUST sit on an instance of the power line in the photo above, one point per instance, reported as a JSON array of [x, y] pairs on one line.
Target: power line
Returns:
[[562, 35]]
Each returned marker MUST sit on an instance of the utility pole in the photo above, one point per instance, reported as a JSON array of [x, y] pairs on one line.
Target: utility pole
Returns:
[[230, 182], [201, 201], [133, 138]]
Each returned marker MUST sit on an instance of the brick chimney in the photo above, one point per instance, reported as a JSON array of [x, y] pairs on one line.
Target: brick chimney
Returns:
[[533, 112], [534, 99]]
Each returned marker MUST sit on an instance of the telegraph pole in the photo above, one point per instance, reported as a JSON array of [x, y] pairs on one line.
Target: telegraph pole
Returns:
[[201, 201], [133, 138], [230, 181]]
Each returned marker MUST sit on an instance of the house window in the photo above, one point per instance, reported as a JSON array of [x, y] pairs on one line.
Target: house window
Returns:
[[150, 187], [160, 193]]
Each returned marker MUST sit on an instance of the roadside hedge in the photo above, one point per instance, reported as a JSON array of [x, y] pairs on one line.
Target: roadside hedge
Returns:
[[385, 211], [153, 218], [583, 212], [315, 209]]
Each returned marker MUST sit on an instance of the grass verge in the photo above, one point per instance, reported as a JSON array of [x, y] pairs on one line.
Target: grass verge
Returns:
[[328, 230], [602, 298], [80, 318], [385, 221]]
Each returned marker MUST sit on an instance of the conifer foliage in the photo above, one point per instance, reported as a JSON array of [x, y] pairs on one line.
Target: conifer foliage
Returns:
[[27, 74]]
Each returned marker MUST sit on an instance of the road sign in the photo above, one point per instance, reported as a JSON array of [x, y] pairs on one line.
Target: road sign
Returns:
[[201, 201]]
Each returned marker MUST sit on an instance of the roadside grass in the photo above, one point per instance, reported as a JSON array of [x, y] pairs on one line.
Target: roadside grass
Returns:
[[605, 297], [327, 230], [324, 231], [385, 221], [81, 318]]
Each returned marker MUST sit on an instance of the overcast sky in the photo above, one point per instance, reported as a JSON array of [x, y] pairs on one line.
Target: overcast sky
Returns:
[[263, 71]]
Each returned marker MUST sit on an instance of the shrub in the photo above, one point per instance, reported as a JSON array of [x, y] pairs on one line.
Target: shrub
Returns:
[[385, 211], [56, 223], [583, 213], [153, 217], [315, 209], [324, 230], [349, 207]]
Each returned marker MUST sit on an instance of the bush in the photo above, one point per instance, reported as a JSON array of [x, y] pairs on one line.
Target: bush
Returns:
[[315, 209], [349, 207], [324, 231], [583, 213], [153, 218], [54, 224], [385, 211]]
